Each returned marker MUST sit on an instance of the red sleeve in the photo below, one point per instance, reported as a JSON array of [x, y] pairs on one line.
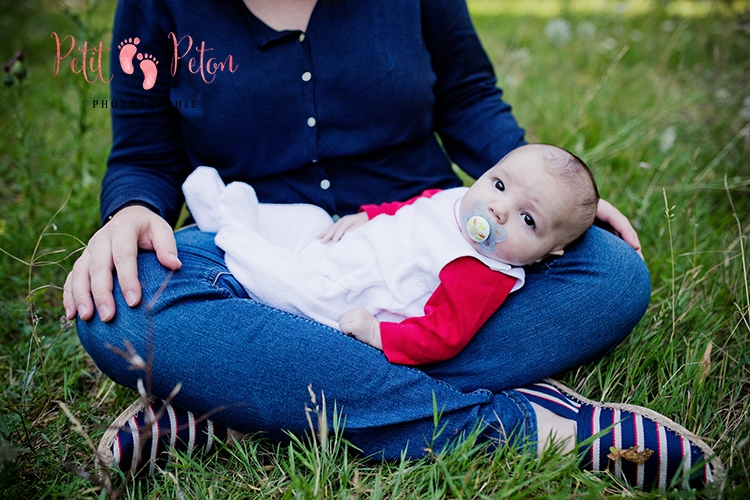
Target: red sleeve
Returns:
[[468, 294], [391, 208]]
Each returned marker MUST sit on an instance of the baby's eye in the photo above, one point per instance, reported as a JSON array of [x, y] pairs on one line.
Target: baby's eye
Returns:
[[529, 220], [499, 185]]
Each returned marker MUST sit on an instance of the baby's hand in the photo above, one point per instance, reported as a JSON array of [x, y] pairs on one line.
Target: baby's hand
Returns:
[[362, 325], [343, 226]]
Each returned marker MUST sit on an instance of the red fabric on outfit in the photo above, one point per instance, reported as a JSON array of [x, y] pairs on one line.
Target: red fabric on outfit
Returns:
[[468, 294], [390, 208]]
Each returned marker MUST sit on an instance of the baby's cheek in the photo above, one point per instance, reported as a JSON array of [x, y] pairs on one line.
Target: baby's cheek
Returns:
[[519, 253]]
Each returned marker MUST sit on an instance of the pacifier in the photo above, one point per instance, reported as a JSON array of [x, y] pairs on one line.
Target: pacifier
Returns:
[[481, 229]]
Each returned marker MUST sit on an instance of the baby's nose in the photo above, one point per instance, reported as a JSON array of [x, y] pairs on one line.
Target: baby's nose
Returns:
[[499, 211]]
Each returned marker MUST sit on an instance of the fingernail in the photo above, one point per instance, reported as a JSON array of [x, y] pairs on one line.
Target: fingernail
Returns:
[[82, 310], [104, 312], [68, 312], [174, 257], [130, 297]]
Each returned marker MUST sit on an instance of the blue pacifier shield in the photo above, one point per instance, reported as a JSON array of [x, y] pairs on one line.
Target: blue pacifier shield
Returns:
[[481, 229]]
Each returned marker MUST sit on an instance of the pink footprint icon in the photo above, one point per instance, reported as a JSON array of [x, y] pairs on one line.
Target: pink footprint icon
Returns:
[[148, 66], [127, 51]]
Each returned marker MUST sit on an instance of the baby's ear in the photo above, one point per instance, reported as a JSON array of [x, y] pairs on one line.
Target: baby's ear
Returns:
[[557, 253]]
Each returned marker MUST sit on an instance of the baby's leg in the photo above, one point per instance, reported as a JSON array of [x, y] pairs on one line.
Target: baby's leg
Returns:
[[202, 190], [287, 225], [292, 226], [273, 274], [238, 206]]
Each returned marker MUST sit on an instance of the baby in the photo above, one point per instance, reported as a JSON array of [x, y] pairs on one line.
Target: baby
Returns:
[[415, 279]]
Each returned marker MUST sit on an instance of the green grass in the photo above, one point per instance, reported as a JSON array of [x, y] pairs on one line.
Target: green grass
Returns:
[[652, 101]]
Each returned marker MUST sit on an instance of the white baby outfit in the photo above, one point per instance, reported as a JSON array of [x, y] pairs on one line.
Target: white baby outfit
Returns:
[[389, 265]]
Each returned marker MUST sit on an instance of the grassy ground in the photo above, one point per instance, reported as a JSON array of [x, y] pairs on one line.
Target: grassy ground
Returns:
[[657, 101]]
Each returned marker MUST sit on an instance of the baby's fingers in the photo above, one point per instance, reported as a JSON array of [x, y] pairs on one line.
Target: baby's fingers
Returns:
[[345, 224], [326, 235]]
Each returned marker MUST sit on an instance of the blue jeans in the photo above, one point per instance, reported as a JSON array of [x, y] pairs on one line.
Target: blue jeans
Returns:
[[255, 363]]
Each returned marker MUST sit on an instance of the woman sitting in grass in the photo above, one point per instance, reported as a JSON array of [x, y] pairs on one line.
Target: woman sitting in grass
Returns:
[[338, 104]]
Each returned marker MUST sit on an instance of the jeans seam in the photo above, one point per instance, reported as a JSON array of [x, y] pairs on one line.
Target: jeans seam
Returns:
[[453, 388], [219, 275], [528, 428]]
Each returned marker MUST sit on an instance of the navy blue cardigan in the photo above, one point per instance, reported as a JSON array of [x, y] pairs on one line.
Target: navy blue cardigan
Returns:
[[366, 106]]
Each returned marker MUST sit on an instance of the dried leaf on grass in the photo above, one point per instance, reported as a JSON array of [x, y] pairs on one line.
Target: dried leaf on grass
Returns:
[[631, 454]]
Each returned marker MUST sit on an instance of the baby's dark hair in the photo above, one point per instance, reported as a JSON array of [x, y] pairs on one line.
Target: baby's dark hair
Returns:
[[574, 171]]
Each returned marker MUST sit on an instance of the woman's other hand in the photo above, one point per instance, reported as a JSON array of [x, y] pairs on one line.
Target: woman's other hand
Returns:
[[608, 213], [343, 226], [115, 248]]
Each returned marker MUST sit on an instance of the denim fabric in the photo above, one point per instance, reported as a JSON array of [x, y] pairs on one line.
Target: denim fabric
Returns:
[[255, 363]]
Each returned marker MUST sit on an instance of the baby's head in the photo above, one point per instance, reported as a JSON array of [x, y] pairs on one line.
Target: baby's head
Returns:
[[544, 198]]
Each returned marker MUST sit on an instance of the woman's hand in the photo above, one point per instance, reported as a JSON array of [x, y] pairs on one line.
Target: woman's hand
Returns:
[[609, 214], [343, 226], [115, 247]]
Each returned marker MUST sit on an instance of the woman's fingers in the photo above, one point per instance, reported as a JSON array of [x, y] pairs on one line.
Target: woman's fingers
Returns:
[[621, 224], [115, 248], [133, 228], [125, 259], [77, 290], [163, 243], [68, 303], [100, 274]]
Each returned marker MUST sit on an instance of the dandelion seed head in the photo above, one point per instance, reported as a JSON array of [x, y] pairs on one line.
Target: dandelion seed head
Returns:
[[558, 31], [621, 8], [722, 94], [667, 139], [511, 81], [607, 44], [586, 29], [636, 35], [521, 57]]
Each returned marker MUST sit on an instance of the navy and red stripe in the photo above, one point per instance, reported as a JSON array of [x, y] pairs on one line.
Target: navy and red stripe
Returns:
[[675, 462]]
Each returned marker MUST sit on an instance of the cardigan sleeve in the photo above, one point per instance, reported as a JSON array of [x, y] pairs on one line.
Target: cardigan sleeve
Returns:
[[148, 161], [468, 294], [390, 208], [476, 127]]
